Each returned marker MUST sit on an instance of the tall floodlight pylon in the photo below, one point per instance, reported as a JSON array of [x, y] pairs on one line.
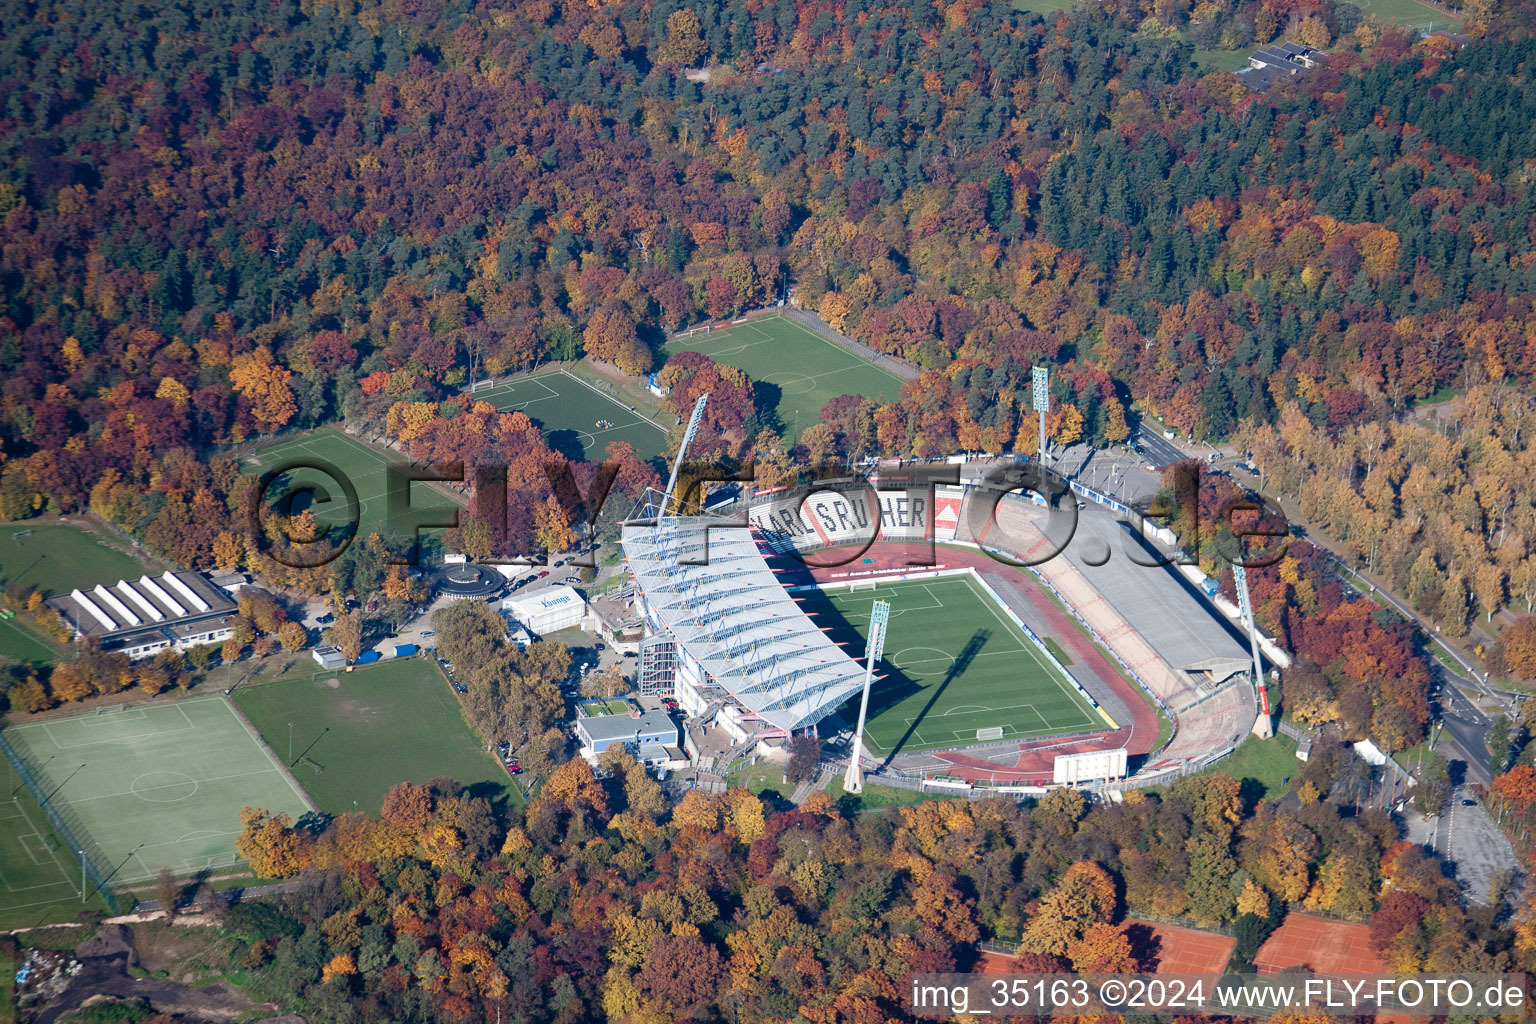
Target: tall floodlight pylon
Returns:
[[1263, 726], [879, 615], [669, 532], [682, 450]]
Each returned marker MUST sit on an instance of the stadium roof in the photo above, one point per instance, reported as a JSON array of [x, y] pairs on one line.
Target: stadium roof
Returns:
[[1154, 601], [737, 621]]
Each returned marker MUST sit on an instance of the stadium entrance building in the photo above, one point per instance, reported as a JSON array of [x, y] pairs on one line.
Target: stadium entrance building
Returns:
[[723, 636]]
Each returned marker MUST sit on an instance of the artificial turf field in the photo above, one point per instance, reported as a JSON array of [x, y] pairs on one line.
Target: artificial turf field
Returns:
[[602, 708], [807, 369], [157, 785], [356, 734], [954, 664], [364, 465], [39, 876], [568, 409], [55, 558]]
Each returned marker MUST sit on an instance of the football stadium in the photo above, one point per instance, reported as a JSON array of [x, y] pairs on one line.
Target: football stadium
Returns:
[[996, 672]]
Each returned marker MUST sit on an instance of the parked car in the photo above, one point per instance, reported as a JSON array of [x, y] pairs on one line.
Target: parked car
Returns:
[[541, 574], [326, 619], [428, 632], [599, 646], [669, 703], [573, 579], [631, 654], [1469, 803]]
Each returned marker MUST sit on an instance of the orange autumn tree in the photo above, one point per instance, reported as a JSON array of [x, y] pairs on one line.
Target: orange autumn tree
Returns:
[[265, 385], [270, 844], [1085, 896]]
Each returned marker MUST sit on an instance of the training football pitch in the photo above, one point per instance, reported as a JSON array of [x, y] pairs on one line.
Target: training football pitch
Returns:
[[955, 665], [356, 734], [312, 456], [806, 370], [579, 421], [158, 785]]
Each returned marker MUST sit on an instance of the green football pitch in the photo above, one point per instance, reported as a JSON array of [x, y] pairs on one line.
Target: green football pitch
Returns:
[[356, 734], [55, 558], [805, 370], [579, 421], [158, 785], [365, 466], [954, 665], [39, 875]]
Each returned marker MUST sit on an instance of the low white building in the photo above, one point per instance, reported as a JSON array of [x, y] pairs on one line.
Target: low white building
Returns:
[[547, 610], [329, 657]]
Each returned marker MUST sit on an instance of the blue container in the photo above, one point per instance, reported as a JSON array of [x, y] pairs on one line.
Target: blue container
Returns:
[[404, 650], [368, 657]]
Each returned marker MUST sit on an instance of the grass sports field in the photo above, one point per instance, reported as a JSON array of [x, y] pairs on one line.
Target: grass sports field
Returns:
[[55, 558], [569, 410], [954, 664], [39, 876], [159, 785], [356, 734], [804, 368], [365, 466]]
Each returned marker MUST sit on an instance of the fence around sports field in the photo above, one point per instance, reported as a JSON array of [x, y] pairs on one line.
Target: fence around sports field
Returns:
[[97, 867]]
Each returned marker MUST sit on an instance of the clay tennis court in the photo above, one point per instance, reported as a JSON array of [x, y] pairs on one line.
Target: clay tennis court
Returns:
[[1320, 945], [1170, 949], [1161, 948]]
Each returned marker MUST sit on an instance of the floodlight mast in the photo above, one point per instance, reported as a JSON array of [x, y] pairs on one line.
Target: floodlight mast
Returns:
[[1263, 727], [853, 781], [682, 450]]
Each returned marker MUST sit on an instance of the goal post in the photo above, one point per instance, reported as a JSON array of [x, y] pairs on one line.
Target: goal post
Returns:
[[858, 585], [991, 732]]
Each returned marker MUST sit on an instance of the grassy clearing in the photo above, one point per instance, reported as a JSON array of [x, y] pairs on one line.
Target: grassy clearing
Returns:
[[580, 417], [356, 734], [1042, 6], [54, 558], [762, 777], [876, 796], [1265, 763], [797, 370], [326, 459]]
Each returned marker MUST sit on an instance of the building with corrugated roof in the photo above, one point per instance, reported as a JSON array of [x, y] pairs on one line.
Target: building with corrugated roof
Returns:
[[142, 617]]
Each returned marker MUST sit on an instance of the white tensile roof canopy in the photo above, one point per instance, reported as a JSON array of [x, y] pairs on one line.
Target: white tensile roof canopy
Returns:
[[735, 619]]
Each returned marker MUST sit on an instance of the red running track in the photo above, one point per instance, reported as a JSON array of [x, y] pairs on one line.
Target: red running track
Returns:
[[1035, 759]]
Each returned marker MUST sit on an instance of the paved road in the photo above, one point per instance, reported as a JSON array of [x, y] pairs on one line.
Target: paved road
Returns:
[[1158, 449]]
